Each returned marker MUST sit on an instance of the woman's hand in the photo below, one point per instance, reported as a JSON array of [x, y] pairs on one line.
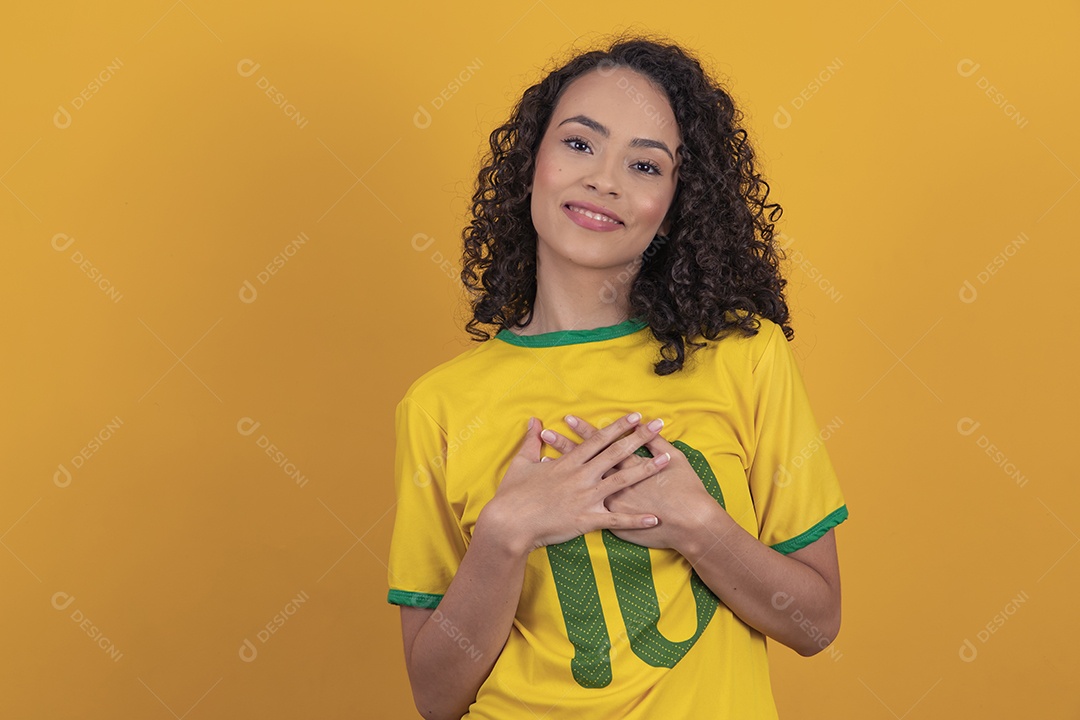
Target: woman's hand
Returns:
[[544, 503], [674, 494]]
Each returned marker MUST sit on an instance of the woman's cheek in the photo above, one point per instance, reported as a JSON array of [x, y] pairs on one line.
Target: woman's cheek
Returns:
[[655, 211], [547, 173]]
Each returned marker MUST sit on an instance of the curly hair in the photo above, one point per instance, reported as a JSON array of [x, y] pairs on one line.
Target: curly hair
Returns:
[[718, 266]]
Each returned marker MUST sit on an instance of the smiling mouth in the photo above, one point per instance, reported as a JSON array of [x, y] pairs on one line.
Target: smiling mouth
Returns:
[[591, 214]]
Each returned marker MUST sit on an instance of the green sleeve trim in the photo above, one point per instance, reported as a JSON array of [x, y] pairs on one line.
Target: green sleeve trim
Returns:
[[413, 599], [801, 540]]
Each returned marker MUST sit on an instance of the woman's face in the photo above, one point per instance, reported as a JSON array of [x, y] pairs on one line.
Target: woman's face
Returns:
[[611, 146]]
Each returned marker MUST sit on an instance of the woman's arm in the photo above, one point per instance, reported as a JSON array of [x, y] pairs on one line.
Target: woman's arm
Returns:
[[449, 651], [793, 598]]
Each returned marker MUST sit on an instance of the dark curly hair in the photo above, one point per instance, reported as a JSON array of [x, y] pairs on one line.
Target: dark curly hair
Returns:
[[719, 264]]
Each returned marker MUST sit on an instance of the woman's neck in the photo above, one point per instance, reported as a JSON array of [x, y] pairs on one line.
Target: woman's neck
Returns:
[[545, 318], [574, 297]]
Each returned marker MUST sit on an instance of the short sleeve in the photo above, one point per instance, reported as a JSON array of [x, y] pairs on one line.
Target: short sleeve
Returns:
[[796, 493], [426, 546]]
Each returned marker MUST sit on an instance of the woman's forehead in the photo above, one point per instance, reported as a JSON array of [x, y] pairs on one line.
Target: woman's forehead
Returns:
[[623, 102]]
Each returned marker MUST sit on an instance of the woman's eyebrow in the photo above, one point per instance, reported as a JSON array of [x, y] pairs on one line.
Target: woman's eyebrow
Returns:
[[636, 142]]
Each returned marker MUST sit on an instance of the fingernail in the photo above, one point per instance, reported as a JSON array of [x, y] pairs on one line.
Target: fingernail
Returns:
[[656, 424], [530, 423], [548, 435], [571, 421], [662, 460], [634, 417], [650, 521]]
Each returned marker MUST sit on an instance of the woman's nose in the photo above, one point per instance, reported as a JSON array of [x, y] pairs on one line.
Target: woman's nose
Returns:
[[602, 179]]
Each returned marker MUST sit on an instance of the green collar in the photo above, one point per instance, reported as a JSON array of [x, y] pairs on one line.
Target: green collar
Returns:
[[572, 337]]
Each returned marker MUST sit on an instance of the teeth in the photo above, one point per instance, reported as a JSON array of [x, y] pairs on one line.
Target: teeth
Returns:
[[594, 216]]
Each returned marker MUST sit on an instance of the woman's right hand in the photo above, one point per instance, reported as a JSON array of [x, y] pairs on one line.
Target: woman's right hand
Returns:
[[545, 503]]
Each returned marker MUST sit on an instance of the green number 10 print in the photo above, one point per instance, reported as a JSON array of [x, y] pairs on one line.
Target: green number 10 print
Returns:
[[631, 569]]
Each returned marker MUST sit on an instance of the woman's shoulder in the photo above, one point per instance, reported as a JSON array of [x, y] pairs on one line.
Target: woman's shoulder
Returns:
[[737, 349], [769, 338], [450, 375], [762, 332]]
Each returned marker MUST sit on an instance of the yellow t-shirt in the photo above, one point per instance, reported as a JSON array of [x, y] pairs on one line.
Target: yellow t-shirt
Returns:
[[606, 628]]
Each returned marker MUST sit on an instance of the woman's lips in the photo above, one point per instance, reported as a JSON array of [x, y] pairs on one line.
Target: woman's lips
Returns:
[[590, 223]]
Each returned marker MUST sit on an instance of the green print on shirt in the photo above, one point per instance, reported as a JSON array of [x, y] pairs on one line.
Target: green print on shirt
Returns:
[[631, 569]]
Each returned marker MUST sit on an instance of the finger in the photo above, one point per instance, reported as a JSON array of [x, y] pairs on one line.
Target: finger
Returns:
[[623, 448], [633, 475], [659, 444], [531, 443], [580, 425], [599, 441], [583, 428], [560, 442], [625, 521], [586, 430]]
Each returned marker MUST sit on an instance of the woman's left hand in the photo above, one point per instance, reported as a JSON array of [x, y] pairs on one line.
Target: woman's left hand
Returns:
[[675, 494]]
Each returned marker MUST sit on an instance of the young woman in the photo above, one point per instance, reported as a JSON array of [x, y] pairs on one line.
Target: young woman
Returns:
[[666, 510]]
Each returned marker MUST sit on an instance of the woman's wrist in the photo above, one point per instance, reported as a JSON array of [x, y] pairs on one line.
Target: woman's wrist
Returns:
[[500, 530], [701, 529]]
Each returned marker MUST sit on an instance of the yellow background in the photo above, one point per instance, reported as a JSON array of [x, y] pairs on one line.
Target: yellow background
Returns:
[[179, 179]]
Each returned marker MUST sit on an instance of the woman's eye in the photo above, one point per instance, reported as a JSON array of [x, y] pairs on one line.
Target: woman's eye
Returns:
[[575, 141], [648, 168]]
